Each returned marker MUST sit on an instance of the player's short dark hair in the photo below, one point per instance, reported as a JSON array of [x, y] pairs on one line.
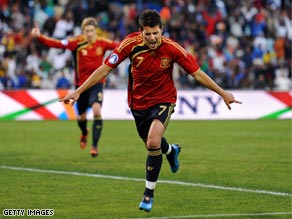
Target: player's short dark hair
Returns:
[[149, 18]]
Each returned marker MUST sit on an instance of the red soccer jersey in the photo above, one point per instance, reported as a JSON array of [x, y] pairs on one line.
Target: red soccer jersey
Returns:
[[151, 80], [87, 56]]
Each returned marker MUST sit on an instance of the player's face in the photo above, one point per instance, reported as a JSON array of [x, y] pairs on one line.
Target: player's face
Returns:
[[89, 32], [152, 36]]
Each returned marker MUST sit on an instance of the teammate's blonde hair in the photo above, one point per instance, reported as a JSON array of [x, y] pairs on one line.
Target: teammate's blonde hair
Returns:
[[88, 21]]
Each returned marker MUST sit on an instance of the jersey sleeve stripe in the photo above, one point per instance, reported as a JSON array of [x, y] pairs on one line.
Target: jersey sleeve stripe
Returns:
[[181, 49], [128, 41]]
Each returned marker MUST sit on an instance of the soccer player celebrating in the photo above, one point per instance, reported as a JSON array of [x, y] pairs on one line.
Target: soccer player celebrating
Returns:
[[88, 51], [151, 91]]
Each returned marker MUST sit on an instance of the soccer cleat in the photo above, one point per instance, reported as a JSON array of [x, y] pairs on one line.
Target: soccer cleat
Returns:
[[94, 151], [174, 167], [146, 203], [83, 141]]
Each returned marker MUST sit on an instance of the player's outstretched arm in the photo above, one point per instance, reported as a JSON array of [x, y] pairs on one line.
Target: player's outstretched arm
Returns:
[[206, 81], [95, 77]]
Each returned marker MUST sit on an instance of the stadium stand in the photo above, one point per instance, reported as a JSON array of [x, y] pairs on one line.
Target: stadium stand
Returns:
[[240, 44]]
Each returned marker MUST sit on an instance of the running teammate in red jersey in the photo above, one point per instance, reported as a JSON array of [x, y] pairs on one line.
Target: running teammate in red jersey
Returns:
[[88, 52], [151, 91]]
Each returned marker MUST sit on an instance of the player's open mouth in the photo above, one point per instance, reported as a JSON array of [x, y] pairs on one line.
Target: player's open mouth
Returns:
[[152, 45]]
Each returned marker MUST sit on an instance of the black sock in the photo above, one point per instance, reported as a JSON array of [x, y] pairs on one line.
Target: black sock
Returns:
[[165, 147], [153, 166], [96, 130], [149, 193], [170, 157], [83, 126]]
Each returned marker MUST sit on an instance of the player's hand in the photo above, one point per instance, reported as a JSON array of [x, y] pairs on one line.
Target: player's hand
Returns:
[[70, 98], [229, 99], [35, 32]]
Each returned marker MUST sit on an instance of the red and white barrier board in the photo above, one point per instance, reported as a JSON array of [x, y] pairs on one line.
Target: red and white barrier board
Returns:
[[190, 105]]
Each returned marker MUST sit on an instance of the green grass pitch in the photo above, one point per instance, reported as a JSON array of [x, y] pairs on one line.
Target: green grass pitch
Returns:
[[229, 169]]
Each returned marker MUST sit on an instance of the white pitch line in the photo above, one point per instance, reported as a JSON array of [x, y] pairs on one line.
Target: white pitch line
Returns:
[[220, 215], [139, 179]]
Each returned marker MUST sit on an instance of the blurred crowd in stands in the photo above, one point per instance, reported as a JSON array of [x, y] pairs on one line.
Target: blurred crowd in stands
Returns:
[[240, 44]]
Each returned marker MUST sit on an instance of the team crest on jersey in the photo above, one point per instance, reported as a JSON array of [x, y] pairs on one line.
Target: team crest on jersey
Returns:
[[113, 58], [165, 62], [84, 52], [98, 51]]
